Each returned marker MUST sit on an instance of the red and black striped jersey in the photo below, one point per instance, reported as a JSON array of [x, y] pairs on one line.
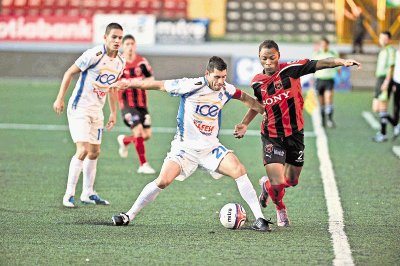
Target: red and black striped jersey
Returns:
[[281, 94], [132, 97]]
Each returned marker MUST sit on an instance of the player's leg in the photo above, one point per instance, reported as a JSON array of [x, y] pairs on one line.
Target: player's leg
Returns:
[[328, 99], [75, 168], [130, 119], [384, 116], [231, 166], [321, 90], [396, 110], [140, 134], [169, 171]]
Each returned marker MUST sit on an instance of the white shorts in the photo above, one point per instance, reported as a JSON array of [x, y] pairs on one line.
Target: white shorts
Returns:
[[190, 160], [85, 125]]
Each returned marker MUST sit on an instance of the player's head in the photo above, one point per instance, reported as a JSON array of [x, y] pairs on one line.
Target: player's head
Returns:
[[268, 53], [216, 72], [129, 45], [113, 36], [324, 43], [384, 38]]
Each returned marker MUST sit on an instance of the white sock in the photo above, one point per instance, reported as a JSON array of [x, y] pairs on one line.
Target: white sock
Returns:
[[89, 175], [148, 194], [248, 193], [75, 168]]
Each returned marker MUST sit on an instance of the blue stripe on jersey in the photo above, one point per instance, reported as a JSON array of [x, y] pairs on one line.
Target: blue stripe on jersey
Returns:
[[79, 93], [83, 78], [180, 117], [219, 121]]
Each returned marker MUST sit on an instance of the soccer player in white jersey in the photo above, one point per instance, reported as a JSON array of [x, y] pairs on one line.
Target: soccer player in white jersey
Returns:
[[99, 67], [196, 141]]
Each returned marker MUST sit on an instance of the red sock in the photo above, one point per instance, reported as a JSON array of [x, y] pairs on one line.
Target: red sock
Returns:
[[276, 192], [140, 149], [128, 139], [291, 183]]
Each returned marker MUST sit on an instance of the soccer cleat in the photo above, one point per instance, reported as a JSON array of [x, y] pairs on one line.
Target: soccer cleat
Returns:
[[123, 149], [69, 201], [146, 169], [262, 225], [93, 199], [330, 123], [379, 137], [282, 218], [120, 219], [396, 131], [264, 197]]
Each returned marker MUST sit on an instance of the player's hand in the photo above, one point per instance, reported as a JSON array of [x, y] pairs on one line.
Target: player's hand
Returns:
[[111, 121], [351, 62], [240, 131], [120, 85], [58, 106]]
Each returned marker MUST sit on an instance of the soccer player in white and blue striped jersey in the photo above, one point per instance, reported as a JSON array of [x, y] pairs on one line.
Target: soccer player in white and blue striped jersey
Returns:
[[99, 67], [196, 142]]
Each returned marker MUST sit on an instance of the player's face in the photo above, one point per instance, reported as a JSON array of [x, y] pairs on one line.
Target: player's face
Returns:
[[113, 39], [269, 59], [323, 45], [383, 39], [129, 47], [216, 79]]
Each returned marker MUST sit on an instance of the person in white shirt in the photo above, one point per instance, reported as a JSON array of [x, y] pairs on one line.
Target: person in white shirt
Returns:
[[99, 67], [196, 142], [396, 96]]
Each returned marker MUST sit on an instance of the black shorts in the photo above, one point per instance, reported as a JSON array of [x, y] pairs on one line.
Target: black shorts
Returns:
[[379, 82], [284, 150], [323, 85], [135, 116]]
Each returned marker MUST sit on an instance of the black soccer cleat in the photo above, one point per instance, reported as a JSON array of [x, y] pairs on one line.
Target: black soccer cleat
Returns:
[[121, 219], [262, 225]]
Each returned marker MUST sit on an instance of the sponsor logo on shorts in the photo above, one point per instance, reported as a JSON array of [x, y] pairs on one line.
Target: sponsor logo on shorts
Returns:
[[279, 152]]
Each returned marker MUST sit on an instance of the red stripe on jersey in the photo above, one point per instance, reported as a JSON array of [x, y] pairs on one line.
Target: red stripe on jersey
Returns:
[[271, 123], [299, 102], [140, 100], [285, 118], [129, 97]]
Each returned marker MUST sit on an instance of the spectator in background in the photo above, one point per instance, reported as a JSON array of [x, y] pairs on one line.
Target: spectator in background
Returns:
[[396, 95], [359, 29], [325, 81], [384, 84]]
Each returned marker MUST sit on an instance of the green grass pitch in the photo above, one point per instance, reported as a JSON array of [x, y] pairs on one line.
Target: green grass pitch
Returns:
[[182, 227]]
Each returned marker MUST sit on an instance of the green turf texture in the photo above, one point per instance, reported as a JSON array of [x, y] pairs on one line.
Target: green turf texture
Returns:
[[182, 227]]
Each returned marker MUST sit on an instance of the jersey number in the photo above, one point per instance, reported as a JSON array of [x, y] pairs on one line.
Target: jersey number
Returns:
[[218, 151]]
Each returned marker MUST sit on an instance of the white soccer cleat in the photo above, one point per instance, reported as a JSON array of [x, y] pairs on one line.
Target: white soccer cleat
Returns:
[[69, 201], [93, 199], [123, 149], [146, 169], [282, 218], [396, 131], [379, 137]]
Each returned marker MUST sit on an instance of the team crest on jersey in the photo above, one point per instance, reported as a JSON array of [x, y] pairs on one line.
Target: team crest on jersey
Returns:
[[220, 95], [278, 85]]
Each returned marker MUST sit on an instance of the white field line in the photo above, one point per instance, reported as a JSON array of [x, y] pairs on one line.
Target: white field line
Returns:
[[121, 129], [396, 150], [371, 120], [341, 246]]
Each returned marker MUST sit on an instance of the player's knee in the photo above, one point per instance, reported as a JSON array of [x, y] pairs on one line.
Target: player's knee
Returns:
[[163, 182], [81, 153], [92, 155], [292, 182], [238, 170]]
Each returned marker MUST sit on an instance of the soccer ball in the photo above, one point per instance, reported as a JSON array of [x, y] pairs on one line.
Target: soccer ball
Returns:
[[232, 216]]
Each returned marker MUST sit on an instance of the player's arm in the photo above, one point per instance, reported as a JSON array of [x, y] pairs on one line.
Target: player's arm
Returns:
[[58, 104], [146, 84], [252, 103], [254, 108], [335, 62], [112, 102]]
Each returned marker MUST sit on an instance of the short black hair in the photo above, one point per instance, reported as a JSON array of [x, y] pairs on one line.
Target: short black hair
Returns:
[[216, 62], [128, 37], [112, 26], [387, 33], [268, 44], [324, 39]]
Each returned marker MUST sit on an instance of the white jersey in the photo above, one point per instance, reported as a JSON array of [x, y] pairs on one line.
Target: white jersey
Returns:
[[396, 73], [199, 114], [99, 71]]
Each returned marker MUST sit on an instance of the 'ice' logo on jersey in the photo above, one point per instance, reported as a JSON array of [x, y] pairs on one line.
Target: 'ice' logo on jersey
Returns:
[[207, 110], [106, 78]]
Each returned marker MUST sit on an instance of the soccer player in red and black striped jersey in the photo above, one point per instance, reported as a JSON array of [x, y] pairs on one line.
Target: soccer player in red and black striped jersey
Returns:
[[278, 88], [133, 105]]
